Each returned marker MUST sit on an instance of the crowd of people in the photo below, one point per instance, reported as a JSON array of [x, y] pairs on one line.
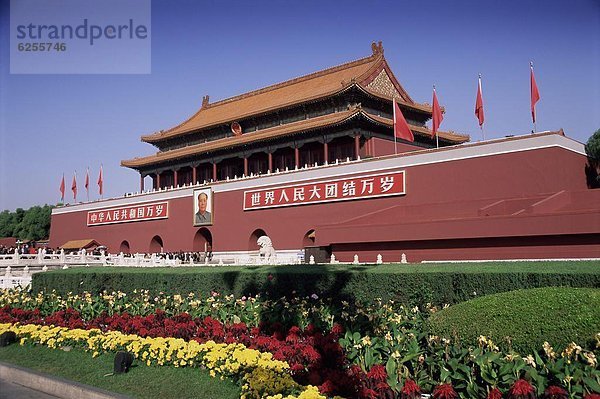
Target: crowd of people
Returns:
[[25, 249], [195, 257]]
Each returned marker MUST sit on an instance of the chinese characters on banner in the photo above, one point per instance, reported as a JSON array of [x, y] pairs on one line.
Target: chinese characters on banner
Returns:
[[137, 213], [352, 188]]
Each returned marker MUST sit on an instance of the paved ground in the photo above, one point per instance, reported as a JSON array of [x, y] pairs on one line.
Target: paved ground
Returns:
[[11, 390], [21, 383]]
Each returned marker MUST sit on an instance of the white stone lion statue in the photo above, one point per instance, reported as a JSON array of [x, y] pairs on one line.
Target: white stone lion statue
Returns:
[[266, 249]]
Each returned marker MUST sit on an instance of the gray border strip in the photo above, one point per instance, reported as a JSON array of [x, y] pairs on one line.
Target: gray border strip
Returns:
[[53, 385]]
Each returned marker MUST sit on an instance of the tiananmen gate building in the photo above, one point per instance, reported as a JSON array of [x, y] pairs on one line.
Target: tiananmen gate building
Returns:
[[312, 164]]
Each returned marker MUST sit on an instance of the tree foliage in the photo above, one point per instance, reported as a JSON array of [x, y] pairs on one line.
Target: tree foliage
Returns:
[[30, 224], [592, 148]]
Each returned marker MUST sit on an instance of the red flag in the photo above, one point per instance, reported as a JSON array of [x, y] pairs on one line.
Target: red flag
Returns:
[[62, 189], [535, 94], [437, 115], [479, 104], [74, 186], [401, 129], [100, 181], [87, 180]]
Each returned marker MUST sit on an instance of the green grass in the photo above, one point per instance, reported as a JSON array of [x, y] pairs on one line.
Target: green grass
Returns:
[[140, 382], [528, 317]]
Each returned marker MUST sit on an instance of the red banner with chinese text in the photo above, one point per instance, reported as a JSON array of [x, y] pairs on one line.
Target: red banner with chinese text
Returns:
[[137, 213], [345, 189]]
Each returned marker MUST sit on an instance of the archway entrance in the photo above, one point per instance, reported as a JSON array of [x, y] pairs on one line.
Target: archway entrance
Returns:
[[156, 245], [309, 239], [124, 247], [252, 245], [203, 241]]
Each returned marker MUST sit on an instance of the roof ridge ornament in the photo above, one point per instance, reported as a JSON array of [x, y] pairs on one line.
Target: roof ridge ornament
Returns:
[[377, 48], [205, 101]]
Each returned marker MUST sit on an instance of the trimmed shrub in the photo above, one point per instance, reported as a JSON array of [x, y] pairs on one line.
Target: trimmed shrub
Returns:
[[522, 320], [409, 284]]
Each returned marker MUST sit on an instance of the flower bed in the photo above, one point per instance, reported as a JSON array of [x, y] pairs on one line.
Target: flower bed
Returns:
[[228, 360], [382, 350]]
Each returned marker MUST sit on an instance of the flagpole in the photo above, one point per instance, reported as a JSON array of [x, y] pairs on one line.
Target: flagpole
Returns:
[[531, 94], [480, 96], [394, 125], [74, 187], [101, 182], [87, 184], [62, 189], [530, 84], [481, 125], [437, 140]]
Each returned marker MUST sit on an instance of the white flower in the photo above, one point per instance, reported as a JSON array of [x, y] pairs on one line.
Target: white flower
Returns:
[[530, 360]]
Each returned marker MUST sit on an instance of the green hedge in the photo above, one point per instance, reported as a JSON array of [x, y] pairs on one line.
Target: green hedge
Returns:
[[410, 284], [527, 317]]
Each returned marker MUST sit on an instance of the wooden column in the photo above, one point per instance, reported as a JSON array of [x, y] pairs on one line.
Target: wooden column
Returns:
[[325, 153], [158, 180], [245, 166], [141, 182], [270, 154], [357, 146], [214, 171], [175, 176], [297, 157], [194, 175]]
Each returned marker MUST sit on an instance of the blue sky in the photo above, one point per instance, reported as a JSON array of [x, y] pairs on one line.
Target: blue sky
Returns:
[[55, 124]]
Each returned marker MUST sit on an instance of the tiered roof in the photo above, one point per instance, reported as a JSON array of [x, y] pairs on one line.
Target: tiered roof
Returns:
[[302, 126], [364, 74]]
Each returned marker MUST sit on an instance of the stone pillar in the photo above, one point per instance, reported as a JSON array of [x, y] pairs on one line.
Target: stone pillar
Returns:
[[297, 157], [194, 174], [214, 171], [141, 182], [357, 146], [325, 153], [270, 154], [245, 166]]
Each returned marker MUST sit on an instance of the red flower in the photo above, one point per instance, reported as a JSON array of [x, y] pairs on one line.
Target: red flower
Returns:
[[327, 388], [377, 373], [522, 389], [368, 393], [310, 354], [410, 390], [494, 394], [555, 392], [592, 396], [337, 329], [444, 391]]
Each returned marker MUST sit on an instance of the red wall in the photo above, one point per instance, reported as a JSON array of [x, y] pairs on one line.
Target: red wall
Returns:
[[455, 189], [380, 147]]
